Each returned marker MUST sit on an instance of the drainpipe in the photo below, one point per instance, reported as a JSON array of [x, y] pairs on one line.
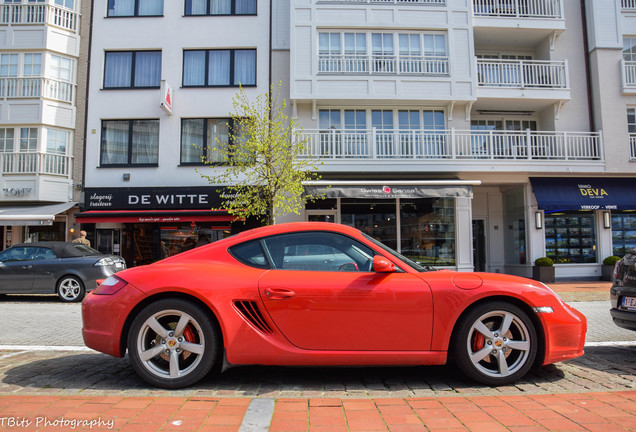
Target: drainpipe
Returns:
[[586, 47]]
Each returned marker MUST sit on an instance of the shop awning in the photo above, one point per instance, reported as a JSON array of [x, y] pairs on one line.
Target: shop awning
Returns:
[[579, 193], [151, 216], [32, 214], [392, 189]]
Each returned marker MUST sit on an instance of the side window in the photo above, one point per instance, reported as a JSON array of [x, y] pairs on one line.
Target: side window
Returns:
[[18, 254], [250, 253], [44, 254], [318, 251]]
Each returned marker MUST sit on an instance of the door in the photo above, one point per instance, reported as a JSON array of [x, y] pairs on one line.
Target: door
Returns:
[[108, 241], [16, 275], [479, 245], [324, 295]]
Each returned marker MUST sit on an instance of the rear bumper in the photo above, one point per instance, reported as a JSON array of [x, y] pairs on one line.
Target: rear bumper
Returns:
[[624, 319], [104, 318]]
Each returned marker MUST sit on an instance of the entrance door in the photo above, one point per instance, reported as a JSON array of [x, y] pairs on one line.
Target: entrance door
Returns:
[[479, 245], [108, 241], [321, 216]]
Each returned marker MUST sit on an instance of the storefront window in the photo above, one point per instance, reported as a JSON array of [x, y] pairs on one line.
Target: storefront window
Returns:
[[623, 232], [53, 232], [375, 218], [427, 228], [177, 239], [570, 237]]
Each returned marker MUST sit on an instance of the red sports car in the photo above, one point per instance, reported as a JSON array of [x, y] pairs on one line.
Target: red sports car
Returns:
[[323, 294]]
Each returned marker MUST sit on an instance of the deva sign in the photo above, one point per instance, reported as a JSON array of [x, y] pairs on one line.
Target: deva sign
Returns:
[[589, 191]]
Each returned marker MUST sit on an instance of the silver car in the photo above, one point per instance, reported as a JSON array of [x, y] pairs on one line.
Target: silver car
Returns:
[[67, 269]]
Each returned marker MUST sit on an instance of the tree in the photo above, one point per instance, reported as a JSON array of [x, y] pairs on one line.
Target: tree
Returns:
[[262, 166]]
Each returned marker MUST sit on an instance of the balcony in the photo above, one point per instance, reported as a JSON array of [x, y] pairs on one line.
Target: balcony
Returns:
[[35, 163], [632, 146], [522, 74], [36, 87], [628, 76], [628, 5], [363, 64], [509, 149], [414, 2], [39, 14], [518, 8]]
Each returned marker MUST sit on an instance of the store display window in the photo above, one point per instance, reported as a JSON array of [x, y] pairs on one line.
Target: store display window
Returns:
[[623, 232], [570, 237]]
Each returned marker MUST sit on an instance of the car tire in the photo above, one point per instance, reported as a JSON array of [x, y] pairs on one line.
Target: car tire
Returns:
[[70, 289], [173, 343], [495, 343]]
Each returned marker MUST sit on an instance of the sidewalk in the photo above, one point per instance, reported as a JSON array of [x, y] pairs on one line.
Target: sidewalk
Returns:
[[605, 412], [582, 290]]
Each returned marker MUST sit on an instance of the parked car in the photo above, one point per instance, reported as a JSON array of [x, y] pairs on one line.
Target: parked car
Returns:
[[317, 293], [623, 292], [67, 269]]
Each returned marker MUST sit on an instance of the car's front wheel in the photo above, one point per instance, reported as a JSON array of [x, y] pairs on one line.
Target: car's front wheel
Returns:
[[173, 343], [495, 344], [70, 289]]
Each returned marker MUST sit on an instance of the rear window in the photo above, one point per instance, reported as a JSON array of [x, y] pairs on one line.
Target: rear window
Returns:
[[250, 253], [85, 250]]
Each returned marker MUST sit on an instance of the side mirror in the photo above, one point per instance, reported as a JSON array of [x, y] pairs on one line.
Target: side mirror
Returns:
[[382, 265]]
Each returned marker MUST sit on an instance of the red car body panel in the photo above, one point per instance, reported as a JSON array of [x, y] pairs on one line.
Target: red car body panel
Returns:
[[325, 318]]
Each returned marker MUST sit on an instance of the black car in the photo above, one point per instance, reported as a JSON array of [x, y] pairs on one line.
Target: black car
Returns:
[[67, 269], [623, 292]]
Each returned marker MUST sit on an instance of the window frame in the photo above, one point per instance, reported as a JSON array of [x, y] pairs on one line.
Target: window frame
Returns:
[[132, 70], [206, 145], [207, 68], [135, 13], [130, 147], [208, 12]]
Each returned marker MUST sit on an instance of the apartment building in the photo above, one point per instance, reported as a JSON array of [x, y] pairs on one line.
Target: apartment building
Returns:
[[42, 96], [470, 134], [162, 78]]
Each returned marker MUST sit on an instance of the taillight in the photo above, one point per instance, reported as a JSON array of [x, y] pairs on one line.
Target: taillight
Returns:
[[616, 273], [110, 286]]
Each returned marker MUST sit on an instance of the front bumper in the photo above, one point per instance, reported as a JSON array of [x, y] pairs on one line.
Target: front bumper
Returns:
[[104, 318], [565, 336]]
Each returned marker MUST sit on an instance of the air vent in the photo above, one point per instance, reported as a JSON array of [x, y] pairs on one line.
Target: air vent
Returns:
[[250, 311]]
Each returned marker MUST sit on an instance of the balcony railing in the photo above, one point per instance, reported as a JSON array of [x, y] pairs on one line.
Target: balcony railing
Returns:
[[35, 163], [628, 73], [418, 2], [518, 8], [36, 87], [452, 145], [628, 5], [38, 14], [632, 146], [522, 73], [362, 64]]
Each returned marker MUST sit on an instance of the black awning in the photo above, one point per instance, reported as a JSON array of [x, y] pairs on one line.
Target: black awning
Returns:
[[578, 193]]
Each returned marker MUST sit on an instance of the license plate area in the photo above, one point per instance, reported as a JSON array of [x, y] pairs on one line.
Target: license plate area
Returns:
[[628, 303]]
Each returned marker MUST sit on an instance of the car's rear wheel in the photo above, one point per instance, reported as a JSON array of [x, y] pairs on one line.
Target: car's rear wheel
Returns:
[[70, 289], [173, 343], [495, 343]]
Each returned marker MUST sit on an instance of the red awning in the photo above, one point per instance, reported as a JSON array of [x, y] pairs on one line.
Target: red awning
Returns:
[[152, 216]]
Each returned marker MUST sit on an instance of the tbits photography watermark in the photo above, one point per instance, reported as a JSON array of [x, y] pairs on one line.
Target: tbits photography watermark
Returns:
[[60, 422]]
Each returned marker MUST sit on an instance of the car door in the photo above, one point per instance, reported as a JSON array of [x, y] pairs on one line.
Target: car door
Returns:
[[340, 303], [16, 270], [46, 267]]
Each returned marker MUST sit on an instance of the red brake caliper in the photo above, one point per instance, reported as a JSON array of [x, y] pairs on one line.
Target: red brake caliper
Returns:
[[188, 334], [478, 341]]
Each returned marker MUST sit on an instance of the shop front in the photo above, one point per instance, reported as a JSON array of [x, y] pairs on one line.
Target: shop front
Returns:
[[23, 222], [586, 220], [427, 221], [144, 225]]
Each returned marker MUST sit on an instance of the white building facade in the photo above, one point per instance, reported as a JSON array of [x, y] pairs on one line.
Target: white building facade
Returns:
[[41, 107], [470, 134], [162, 78]]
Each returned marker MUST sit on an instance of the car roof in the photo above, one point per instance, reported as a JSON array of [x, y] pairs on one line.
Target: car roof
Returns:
[[296, 226], [62, 249]]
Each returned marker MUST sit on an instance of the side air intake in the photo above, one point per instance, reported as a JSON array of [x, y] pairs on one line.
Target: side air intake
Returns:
[[250, 311]]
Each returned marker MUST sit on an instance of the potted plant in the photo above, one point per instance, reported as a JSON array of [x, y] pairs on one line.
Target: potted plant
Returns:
[[543, 270], [608, 267]]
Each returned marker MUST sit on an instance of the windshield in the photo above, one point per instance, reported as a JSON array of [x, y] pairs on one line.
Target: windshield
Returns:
[[415, 265]]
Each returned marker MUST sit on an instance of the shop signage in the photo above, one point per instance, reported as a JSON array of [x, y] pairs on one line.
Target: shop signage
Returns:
[[169, 198], [390, 191], [584, 193], [166, 97]]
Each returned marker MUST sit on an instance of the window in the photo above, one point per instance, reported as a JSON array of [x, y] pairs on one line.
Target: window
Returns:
[[631, 120], [219, 68], [200, 138], [629, 48], [132, 69], [28, 139], [8, 65], [56, 141], [220, 7], [623, 232], [65, 3], [124, 8], [130, 142], [6, 140], [61, 68], [570, 237], [32, 65]]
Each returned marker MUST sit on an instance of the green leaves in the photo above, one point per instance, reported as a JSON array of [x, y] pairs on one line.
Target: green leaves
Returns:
[[264, 168]]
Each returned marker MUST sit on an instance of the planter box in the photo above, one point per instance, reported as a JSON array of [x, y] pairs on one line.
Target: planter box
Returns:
[[543, 274], [606, 272]]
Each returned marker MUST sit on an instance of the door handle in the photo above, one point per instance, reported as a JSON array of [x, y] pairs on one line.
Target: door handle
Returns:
[[279, 293], [27, 267]]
